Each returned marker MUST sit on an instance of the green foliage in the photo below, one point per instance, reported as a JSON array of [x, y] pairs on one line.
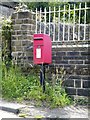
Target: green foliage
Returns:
[[6, 40], [82, 101], [16, 86], [38, 5]]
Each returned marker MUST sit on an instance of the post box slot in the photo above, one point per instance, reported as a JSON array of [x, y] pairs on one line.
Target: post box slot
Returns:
[[38, 38]]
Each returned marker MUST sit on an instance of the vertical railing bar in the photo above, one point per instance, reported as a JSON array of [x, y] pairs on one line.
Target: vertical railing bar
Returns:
[[59, 24], [79, 21], [49, 18], [74, 24], [45, 21], [36, 20], [40, 20], [69, 24], [64, 24], [54, 26], [85, 21]]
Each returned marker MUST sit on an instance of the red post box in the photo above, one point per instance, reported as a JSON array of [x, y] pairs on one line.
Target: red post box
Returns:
[[42, 49]]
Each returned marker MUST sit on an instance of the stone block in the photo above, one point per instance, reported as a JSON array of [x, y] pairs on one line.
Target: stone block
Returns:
[[18, 32], [18, 43], [86, 84], [85, 53], [56, 58], [22, 37], [83, 92], [25, 43], [70, 91], [22, 15], [69, 83], [32, 22], [16, 27], [29, 28], [19, 48], [18, 21], [76, 62], [28, 31], [24, 27], [78, 83], [60, 53], [30, 58], [26, 20], [87, 62], [61, 61], [73, 53], [30, 37], [74, 57], [24, 32], [14, 16], [14, 37]]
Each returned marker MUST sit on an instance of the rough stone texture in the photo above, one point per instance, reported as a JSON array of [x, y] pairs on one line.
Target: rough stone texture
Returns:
[[24, 28], [75, 63]]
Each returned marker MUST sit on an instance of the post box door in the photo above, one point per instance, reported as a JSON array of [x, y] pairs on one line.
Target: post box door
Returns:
[[38, 51]]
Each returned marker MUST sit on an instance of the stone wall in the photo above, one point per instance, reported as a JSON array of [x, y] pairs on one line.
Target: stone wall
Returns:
[[24, 28], [73, 60]]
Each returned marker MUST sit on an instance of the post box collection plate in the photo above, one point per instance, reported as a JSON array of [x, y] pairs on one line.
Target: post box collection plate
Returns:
[[38, 52]]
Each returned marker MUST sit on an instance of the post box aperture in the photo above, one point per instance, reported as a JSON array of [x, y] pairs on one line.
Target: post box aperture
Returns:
[[42, 49]]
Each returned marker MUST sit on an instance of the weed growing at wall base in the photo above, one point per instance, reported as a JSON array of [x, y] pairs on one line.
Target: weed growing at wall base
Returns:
[[16, 86]]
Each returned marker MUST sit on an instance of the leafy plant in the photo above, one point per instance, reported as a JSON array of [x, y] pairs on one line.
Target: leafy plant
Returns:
[[16, 86], [81, 101], [6, 40]]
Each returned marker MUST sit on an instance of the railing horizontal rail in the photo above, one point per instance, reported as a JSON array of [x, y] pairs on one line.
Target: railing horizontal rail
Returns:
[[67, 10]]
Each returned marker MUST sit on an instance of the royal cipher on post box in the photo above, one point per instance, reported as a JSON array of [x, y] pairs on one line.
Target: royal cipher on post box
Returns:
[[42, 49]]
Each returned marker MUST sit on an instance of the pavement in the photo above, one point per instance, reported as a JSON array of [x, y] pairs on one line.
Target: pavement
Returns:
[[6, 114], [15, 110]]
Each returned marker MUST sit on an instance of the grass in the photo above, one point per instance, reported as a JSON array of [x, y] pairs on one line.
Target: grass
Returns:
[[16, 86]]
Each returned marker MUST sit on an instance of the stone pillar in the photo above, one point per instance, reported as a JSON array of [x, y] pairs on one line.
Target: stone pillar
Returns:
[[22, 37]]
